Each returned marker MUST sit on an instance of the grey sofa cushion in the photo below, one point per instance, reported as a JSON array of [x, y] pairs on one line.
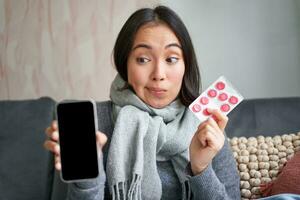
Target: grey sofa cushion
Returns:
[[23, 160], [266, 117]]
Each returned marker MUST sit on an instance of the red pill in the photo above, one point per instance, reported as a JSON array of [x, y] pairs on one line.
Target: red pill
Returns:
[[220, 85], [204, 100], [205, 112], [223, 97], [225, 108], [233, 100], [212, 93], [196, 108]]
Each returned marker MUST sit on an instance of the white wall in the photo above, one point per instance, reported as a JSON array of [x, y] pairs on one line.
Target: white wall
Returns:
[[255, 44]]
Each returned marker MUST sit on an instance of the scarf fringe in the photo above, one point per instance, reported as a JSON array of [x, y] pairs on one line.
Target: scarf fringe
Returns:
[[186, 191], [120, 190]]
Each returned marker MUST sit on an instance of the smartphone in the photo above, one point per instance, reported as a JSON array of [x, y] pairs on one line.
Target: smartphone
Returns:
[[77, 126]]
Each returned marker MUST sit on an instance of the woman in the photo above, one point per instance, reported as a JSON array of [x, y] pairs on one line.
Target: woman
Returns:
[[157, 148]]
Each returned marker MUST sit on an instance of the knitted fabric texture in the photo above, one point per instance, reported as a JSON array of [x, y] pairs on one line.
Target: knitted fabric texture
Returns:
[[260, 160], [142, 136]]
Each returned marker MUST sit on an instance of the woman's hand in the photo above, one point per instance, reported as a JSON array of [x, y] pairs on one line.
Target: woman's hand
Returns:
[[52, 144], [207, 141]]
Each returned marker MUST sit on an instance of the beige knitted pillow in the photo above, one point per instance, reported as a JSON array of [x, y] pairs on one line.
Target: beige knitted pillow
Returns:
[[260, 158]]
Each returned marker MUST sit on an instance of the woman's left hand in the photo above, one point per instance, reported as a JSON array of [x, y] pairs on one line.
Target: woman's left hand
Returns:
[[207, 141]]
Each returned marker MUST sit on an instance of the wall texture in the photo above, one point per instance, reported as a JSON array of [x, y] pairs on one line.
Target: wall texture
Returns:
[[255, 44], [60, 48]]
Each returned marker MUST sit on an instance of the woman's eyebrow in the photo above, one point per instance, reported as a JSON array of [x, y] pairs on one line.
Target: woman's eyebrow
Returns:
[[173, 45], [142, 46]]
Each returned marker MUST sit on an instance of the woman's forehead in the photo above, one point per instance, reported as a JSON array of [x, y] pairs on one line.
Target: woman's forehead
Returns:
[[155, 34]]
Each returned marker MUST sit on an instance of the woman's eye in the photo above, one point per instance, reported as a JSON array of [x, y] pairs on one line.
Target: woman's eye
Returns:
[[142, 60], [172, 60]]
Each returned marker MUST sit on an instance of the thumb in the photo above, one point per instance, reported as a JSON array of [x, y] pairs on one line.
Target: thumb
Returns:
[[101, 139]]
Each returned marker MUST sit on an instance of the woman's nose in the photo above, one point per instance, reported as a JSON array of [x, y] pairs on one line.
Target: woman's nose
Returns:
[[159, 72]]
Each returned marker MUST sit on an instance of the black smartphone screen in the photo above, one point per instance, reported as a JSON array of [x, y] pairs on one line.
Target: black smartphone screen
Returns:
[[77, 138]]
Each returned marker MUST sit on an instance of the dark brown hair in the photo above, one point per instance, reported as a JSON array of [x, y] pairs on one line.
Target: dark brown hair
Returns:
[[191, 83]]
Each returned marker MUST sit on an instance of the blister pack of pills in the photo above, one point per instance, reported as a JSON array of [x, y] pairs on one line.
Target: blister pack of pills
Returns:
[[219, 95]]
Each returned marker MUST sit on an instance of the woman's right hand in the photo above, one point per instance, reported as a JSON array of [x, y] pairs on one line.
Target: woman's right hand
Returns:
[[52, 144]]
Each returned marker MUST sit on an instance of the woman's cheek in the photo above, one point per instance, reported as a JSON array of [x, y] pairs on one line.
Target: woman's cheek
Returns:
[[176, 77], [137, 80]]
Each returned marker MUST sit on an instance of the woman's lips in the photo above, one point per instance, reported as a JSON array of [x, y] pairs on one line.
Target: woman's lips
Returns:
[[157, 91]]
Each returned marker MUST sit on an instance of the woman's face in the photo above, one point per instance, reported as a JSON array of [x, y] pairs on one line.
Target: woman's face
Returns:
[[155, 65]]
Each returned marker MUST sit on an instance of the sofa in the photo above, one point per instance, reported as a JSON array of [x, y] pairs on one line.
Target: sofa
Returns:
[[27, 170]]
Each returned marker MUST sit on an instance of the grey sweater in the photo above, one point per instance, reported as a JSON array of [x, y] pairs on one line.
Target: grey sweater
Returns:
[[220, 180]]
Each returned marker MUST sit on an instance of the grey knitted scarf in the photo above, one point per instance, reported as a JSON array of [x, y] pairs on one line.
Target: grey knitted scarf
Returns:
[[143, 135]]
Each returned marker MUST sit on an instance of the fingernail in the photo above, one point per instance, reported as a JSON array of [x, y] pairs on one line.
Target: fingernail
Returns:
[[56, 149], [214, 118], [210, 110], [58, 166], [54, 125]]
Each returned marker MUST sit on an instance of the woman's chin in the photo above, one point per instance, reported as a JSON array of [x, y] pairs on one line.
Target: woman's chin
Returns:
[[157, 104]]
